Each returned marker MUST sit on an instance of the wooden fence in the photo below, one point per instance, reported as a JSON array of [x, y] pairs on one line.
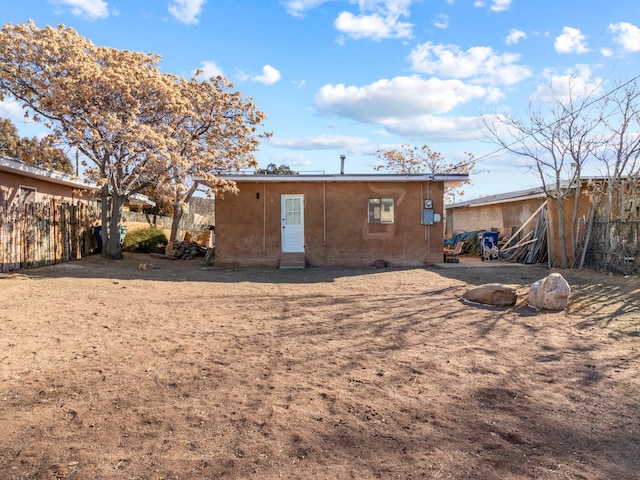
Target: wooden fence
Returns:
[[615, 246], [40, 234]]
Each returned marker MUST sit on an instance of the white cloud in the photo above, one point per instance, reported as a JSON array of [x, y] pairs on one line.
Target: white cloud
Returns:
[[479, 63], [437, 128], [209, 70], [269, 76], [14, 111], [375, 19], [500, 5], [572, 40], [11, 109], [374, 26], [319, 142], [441, 21], [298, 7], [408, 106], [400, 96], [573, 83], [496, 5], [186, 11], [627, 35], [515, 36], [89, 9]]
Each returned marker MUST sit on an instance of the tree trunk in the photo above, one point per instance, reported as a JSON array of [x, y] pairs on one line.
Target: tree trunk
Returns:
[[112, 247], [589, 228], [574, 221], [178, 212], [174, 236], [561, 231]]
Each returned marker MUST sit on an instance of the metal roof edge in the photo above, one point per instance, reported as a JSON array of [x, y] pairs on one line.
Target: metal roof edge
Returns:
[[59, 178], [519, 195], [15, 166], [342, 178]]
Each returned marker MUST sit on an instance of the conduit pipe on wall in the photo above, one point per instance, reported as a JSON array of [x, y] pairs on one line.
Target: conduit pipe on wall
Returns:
[[264, 218], [427, 236], [324, 214]]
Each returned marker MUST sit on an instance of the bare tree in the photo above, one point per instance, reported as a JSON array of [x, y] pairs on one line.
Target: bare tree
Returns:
[[414, 160], [558, 140], [618, 154]]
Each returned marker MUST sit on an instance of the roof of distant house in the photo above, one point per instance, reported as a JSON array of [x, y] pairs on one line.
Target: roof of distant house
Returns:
[[11, 165], [537, 192], [16, 166]]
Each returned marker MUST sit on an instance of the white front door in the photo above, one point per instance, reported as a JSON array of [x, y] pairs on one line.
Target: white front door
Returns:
[[292, 214]]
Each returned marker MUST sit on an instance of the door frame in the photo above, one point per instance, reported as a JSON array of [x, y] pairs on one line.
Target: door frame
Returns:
[[291, 243]]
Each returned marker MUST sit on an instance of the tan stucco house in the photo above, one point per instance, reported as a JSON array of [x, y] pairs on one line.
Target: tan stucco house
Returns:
[[293, 221], [21, 183]]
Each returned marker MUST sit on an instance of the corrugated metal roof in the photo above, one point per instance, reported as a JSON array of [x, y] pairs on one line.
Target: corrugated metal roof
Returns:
[[537, 192]]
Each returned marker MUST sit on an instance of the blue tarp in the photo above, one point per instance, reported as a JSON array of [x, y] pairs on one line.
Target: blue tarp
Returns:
[[460, 237]]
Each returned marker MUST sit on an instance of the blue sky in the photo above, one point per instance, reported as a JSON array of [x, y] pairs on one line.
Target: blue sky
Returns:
[[356, 76]]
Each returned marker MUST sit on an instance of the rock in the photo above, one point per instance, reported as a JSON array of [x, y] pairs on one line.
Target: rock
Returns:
[[492, 294], [550, 293], [379, 264]]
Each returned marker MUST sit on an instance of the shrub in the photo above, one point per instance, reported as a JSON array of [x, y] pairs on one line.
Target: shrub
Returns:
[[147, 240]]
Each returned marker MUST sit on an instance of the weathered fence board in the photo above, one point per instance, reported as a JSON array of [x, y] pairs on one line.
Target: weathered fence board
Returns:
[[40, 234], [615, 246]]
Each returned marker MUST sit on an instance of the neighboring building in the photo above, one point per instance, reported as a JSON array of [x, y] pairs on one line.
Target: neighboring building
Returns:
[[526, 217], [504, 212], [20, 183], [290, 221]]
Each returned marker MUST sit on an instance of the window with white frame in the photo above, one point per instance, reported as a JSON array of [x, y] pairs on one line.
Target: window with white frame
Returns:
[[381, 210], [27, 194]]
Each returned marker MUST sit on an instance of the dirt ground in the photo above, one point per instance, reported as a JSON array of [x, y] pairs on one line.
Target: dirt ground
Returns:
[[146, 368]]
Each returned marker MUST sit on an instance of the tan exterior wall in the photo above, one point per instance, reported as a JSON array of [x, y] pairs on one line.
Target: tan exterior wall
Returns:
[[336, 227], [503, 217], [583, 212], [45, 191], [472, 219]]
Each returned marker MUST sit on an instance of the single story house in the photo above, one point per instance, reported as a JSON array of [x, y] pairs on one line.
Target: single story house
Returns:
[[21, 183], [293, 221]]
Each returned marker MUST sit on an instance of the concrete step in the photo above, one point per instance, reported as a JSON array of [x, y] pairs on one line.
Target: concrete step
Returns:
[[292, 260]]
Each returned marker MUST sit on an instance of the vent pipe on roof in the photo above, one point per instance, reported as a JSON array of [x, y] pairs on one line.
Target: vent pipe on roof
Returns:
[[342, 157]]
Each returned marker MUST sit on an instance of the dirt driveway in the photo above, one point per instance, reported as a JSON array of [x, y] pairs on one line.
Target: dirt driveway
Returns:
[[156, 369]]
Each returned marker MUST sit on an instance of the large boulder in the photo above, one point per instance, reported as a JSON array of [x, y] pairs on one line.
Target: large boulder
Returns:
[[550, 293], [492, 294]]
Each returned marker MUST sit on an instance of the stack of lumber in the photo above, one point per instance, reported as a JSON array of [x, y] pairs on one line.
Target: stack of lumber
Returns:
[[532, 247]]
